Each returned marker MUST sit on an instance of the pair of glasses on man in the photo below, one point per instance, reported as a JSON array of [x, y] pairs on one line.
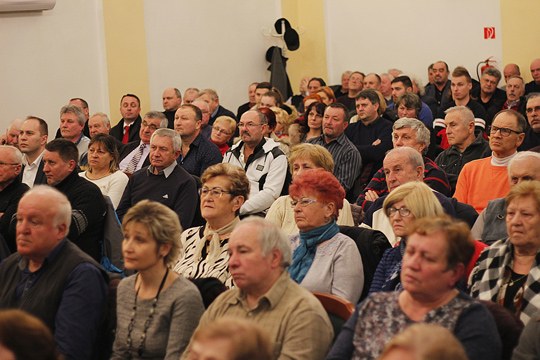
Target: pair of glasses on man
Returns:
[[214, 192], [248, 125], [403, 211], [504, 131]]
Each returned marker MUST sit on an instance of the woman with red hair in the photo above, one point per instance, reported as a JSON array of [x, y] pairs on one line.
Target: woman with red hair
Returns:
[[324, 260]]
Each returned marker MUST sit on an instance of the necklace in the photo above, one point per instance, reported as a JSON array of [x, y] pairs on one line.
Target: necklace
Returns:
[[129, 342], [512, 281]]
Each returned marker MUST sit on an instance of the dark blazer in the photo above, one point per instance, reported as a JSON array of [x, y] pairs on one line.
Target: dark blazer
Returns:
[[221, 112], [40, 175], [118, 131], [128, 148]]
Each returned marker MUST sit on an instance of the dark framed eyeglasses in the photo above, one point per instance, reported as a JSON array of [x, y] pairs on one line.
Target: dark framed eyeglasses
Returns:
[[504, 131], [403, 211]]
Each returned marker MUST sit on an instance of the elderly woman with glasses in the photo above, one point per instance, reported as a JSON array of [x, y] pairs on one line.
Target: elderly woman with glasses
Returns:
[[324, 260], [222, 131], [224, 189], [402, 206]]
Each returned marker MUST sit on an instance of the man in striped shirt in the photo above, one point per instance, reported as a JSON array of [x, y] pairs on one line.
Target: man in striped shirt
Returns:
[[347, 158]]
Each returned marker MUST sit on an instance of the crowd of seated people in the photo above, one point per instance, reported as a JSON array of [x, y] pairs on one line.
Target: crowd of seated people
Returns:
[[218, 216]]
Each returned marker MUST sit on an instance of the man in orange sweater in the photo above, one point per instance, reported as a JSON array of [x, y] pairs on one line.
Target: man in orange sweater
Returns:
[[486, 179]]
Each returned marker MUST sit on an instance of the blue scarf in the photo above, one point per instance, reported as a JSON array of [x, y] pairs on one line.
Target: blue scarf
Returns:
[[304, 254]]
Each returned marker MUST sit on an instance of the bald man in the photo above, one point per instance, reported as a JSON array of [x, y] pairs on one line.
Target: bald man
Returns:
[[534, 85]]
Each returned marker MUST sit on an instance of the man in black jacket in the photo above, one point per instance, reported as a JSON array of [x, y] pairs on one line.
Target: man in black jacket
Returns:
[[87, 202], [216, 110]]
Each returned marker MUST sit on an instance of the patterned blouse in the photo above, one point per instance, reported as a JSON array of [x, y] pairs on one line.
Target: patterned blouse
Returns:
[[193, 266], [380, 318]]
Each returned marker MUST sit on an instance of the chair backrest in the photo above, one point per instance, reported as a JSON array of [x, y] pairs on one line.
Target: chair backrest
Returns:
[[335, 305], [509, 327], [371, 244], [339, 310]]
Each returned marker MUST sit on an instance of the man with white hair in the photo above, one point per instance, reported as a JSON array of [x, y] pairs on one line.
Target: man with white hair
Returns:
[[99, 123], [12, 133], [491, 225], [401, 165], [514, 100], [410, 133], [163, 180], [488, 94], [134, 155], [259, 254], [464, 145], [11, 190], [72, 121], [83, 104], [51, 278]]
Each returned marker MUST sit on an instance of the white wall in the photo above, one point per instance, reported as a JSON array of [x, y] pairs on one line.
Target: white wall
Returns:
[[208, 44], [49, 57], [373, 36]]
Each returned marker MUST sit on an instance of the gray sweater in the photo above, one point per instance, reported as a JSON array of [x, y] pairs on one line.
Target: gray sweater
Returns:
[[178, 311], [336, 269]]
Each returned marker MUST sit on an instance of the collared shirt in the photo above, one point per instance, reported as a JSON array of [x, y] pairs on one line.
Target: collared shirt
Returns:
[[30, 170], [165, 172], [295, 320], [347, 158], [124, 163], [201, 155]]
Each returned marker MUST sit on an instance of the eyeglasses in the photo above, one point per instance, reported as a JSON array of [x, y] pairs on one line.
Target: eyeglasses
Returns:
[[220, 131], [504, 131], [303, 202], [248, 125], [5, 164], [531, 110], [214, 192], [150, 126], [403, 211]]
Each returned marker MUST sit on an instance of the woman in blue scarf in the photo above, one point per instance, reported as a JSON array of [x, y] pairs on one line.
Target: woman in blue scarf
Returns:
[[324, 260]]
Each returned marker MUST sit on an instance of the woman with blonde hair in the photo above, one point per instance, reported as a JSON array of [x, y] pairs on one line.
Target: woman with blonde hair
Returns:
[[424, 342], [157, 309], [414, 200]]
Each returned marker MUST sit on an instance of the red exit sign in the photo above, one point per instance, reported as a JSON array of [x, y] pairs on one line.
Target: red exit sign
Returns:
[[489, 33]]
